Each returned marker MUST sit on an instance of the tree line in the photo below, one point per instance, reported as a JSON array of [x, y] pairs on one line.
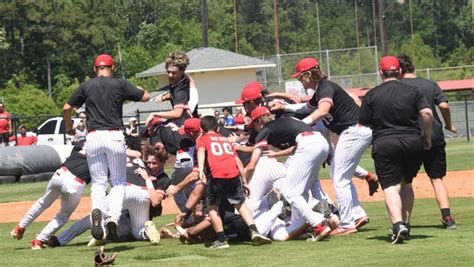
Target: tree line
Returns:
[[53, 43]]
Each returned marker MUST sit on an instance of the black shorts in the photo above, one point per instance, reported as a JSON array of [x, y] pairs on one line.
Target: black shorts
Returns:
[[397, 159], [230, 189], [434, 161], [235, 227]]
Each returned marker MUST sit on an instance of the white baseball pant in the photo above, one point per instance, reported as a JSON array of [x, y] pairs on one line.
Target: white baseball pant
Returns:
[[351, 145], [106, 155], [64, 184]]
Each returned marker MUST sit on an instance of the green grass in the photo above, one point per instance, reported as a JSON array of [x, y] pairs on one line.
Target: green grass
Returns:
[[431, 246], [459, 154]]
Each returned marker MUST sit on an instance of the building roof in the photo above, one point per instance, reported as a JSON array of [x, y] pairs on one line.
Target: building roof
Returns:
[[206, 59]]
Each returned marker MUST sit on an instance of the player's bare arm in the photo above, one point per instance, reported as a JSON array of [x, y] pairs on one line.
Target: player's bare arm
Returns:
[[172, 114], [201, 156], [249, 170], [67, 109], [446, 113], [188, 180], [319, 113], [146, 95], [155, 196], [280, 153], [427, 122]]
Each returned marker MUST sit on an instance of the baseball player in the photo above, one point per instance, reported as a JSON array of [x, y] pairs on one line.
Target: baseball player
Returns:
[[331, 104], [310, 150], [392, 109], [5, 125], [106, 153], [146, 187], [434, 160], [223, 168], [68, 182]]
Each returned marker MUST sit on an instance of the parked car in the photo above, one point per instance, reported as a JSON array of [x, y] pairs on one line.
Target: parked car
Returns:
[[53, 132]]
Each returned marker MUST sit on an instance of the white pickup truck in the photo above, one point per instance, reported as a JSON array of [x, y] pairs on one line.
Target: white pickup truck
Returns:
[[52, 132]]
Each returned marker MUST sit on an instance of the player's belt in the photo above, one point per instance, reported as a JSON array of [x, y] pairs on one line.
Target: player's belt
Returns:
[[307, 133], [78, 179], [110, 130]]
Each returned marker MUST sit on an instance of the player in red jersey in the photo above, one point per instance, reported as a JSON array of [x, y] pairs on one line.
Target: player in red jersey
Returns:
[[221, 168]]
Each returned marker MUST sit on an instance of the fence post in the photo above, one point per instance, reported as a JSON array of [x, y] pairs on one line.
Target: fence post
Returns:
[[328, 67], [279, 71], [265, 73], [467, 119], [376, 60], [428, 73]]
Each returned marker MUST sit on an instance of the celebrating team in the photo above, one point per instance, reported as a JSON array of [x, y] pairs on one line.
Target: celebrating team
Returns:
[[229, 183]]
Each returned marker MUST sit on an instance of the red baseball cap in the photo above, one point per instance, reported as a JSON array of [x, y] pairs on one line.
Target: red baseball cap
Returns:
[[250, 92], [257, 113], [104, 60], [389, 63], [304, 65], [192, 125]]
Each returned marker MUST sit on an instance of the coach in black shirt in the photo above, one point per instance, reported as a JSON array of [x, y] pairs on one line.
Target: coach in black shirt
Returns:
[[434, 159], [391, 110]]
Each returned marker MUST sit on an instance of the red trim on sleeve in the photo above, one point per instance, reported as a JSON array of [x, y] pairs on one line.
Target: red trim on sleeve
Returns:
[[261, 144], [183, 106], [326, 99]]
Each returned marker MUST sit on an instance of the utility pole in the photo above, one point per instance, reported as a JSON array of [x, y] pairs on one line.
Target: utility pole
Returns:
[[383, 30], [275, 24], [236, 31], [205, 26]]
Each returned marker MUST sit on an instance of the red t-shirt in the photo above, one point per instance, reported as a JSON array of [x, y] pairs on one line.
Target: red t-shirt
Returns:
[[26, 141], [239, 119], [220, 155], [4, 119]]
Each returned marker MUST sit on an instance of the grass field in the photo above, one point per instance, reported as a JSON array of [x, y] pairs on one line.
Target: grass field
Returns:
[[459, 154], [431, 245]]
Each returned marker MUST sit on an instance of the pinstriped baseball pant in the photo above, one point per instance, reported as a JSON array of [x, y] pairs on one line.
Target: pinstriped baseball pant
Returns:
[[311, 152], [107, 160], [349, 149], [62, 184]]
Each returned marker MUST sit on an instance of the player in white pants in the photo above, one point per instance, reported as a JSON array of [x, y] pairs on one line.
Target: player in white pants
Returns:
[[68, 182]]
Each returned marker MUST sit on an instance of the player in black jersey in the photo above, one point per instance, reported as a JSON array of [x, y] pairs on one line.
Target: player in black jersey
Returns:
[[68, 182], [391, 110]]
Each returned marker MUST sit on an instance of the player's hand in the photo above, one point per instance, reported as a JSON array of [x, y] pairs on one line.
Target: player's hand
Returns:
[[270, 153], [246, 189], [233, 138], [373, 183], [142, 172], [148, 119], [452, 129], [179, 219], [277, 106], [173, 126], [202, 177], [427, 144], [172, 190], [296, 99]]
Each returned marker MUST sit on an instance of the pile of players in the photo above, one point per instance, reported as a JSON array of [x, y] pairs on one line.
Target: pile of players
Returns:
[[259, 181]]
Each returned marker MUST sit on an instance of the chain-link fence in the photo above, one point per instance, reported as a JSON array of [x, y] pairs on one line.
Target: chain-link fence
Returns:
[[350, 68]]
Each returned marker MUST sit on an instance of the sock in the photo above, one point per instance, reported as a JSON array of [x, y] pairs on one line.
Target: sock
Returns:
[[220, 237], [253, 227], [445, 212]]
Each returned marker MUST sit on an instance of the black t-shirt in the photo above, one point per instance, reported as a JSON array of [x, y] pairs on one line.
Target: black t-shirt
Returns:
[[170, 139], [76, 163], [392, 108], [281, 133], [180, 98], [104, 98], [343, 112], [434, 95]]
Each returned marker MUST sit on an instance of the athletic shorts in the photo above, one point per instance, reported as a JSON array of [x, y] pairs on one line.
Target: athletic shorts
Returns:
[[230, 189], [4, 138], [235, 227], [434, 161], [397, 159]]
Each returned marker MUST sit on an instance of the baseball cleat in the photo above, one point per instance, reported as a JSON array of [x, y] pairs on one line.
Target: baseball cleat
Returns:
[[260, 239], [323, 208], [151, 232], [112, 231], [37, 244], [449, 222], [400, 234], [95, 243], [217, 245], [17, 233], [320, 232], [359, 223], [97, 227], [344, 231]]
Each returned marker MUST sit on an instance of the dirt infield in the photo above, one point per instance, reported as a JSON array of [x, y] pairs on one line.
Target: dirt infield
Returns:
[[459, 183]]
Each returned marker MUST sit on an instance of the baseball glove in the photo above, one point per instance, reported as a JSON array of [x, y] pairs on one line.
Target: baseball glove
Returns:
[[101, 259], [373, 183]]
